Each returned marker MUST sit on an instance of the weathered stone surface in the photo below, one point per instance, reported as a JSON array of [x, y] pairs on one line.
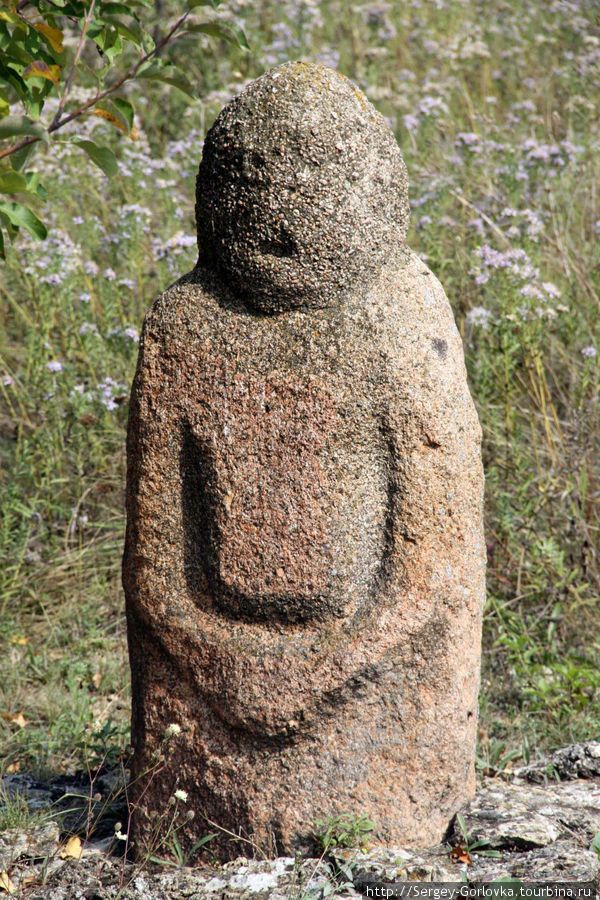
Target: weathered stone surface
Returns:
[[564, 860], [301, 190], [537, 834], [344, 873], [304, 563], [36, 842], [524, 816], [392, 865], [241, 879], [574, 761]]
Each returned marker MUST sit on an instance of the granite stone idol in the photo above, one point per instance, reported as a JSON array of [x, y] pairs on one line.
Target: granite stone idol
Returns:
[[304, 561]]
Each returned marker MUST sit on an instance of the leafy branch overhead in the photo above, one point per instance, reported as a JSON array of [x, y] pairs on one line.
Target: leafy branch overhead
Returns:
[[50, 47]]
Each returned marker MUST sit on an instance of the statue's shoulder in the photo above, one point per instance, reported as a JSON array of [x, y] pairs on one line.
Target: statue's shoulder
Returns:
[[411, 330], [186, 307], [409, 302], [406, 280]]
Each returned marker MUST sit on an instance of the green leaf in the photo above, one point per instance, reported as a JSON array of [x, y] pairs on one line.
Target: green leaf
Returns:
[[115, 49], [463, 827], [229, 31], [17, 51], [34, 186], [23, 217], [11, 229], [148, 42], [125, 108], [11, 126], [131, 32], [20, 157], [12, 182], [107, 38], [14, 79], [239, 34], [160, 70], [97, 32], [202, 842], [2, 250], [177, 848], [12, 17], [595, 845], [35, 101], [192, 4], [115, 9], [104, 158]]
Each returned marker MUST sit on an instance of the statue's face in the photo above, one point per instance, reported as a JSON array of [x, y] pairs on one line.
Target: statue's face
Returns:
[[300, 191]]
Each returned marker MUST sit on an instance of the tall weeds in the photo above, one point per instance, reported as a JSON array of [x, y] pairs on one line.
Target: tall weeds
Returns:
[[495, 107]]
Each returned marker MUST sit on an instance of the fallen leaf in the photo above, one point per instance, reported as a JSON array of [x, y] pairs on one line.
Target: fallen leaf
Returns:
[[72, 849], [15, 719], [462, 855], [28, 879], [6, 884], [12, 768], [97, 679], [19, 639]]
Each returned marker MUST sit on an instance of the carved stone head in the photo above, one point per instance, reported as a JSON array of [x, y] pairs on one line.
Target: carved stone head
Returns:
[[301, 190]]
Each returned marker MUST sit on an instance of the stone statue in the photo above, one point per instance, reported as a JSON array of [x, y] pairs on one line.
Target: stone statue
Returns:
[[304, 562]]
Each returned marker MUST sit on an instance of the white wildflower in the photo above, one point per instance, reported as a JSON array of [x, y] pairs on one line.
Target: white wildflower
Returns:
[[479, 315]]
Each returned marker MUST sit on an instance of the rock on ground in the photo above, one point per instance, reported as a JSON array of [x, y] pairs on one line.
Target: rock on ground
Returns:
[[536, 833]]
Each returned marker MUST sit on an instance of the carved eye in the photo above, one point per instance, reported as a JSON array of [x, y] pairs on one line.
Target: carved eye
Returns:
[[254, 168], [281, 244]]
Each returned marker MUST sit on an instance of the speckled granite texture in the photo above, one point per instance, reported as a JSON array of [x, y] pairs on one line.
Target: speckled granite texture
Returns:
[[304, 562], [301, 190]]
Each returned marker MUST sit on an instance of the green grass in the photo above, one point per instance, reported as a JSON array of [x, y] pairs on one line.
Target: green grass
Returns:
[[343, 831], [494, 108], [15, 813]]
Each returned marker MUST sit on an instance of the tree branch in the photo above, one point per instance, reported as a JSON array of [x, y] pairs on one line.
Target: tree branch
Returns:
[[55, 125], [71, 75]]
